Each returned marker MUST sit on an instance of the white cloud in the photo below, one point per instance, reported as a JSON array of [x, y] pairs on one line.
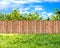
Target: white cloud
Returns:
[[7, 3], [45, 14], [21, 2], [51, 0], [38, 8], [3, 2], [26, 9], [34, 0], [30, 1], [3, 5], [49, 14], [25, 1], [24, 12]]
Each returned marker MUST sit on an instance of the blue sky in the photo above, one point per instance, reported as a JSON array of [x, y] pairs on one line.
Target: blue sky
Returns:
[[43, 7]]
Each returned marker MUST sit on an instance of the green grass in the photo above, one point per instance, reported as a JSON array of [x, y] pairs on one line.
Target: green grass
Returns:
[[29, 40]]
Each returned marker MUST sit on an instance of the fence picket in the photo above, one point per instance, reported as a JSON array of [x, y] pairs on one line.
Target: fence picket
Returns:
[[30, 26]]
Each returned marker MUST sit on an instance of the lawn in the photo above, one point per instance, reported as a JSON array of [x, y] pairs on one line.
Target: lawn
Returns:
[[29, 40]]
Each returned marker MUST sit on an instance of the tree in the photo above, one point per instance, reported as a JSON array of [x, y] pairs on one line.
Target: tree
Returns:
[[48, 18], [16, 15], [8, 17], [57, 15], [1, 16]]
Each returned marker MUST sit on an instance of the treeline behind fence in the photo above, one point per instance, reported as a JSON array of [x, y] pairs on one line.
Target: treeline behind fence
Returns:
[[28, 27]]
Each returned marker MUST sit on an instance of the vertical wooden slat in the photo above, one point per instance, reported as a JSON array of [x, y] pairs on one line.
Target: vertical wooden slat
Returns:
[[47, 28], [3, 27], [1, 24], [15, 26], [59, 27], [6, 27], [10, 26], [34, 26], [24, 26], [30, 26], [44, 27], [54, 26], [40, 26], [20, 26], [37, 26], [51, 27], [27, 27]]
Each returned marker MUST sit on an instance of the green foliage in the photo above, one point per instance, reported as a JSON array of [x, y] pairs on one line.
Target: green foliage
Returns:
[[1, 16], [48, 18], [29, 41], [54, 18], [16, 15], [57, 16]]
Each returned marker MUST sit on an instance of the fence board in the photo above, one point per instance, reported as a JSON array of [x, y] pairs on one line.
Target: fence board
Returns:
[[59, 27], [34, 26], [1, 26], [29, 26], [38, 26], [10, 26]]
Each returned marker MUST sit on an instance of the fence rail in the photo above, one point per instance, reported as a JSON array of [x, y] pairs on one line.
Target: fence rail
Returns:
[[36, 26]]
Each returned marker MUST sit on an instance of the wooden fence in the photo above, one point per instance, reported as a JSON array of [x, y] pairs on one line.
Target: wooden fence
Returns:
[[30, 27]]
